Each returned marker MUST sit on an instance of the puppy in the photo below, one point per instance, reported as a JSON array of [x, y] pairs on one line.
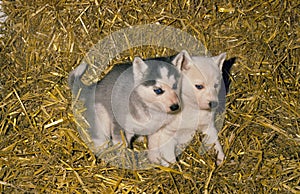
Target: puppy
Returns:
[[201, 85], [139, 98]]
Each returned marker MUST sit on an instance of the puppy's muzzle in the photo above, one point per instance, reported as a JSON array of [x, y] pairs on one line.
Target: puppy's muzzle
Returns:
[[174, 107]]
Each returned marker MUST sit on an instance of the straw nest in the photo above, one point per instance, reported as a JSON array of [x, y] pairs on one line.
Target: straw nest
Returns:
[[44, 40]]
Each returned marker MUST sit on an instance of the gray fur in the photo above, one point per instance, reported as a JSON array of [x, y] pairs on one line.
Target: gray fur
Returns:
[[154, 73]]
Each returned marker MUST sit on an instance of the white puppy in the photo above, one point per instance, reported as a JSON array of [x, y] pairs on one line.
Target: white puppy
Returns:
[[201, 84]]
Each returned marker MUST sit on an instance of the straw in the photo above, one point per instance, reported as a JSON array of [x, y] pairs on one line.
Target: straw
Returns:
[[41, 150]]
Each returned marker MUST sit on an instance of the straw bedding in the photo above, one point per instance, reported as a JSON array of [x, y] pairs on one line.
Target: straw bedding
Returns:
[[43, 40]]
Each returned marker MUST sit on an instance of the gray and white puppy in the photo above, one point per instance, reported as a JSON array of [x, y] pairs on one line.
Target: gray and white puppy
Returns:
[[139, 97]]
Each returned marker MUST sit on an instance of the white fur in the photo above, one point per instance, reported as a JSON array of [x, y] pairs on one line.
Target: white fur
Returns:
[[196, 113], [104, 127]]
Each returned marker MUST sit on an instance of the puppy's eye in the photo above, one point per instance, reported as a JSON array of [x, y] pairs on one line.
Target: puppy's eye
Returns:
[[216, 85], [158, 91], [199, 87]]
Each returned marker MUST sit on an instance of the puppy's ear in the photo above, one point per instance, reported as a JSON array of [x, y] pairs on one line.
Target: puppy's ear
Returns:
[[219, 60], [139, 68], [227, 65], [182, 60]]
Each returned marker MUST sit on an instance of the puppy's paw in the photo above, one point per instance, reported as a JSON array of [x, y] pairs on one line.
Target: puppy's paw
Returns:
[[220, 158]]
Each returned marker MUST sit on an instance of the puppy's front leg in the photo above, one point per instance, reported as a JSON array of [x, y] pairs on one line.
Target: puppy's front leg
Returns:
[[211, 139], [161, 148], [101, 124]]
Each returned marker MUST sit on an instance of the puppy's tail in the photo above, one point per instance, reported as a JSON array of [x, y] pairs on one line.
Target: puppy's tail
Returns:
[[76, 75]]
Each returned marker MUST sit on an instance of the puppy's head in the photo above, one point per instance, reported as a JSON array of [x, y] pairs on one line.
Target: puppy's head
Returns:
[[203, 76], [158, 84]]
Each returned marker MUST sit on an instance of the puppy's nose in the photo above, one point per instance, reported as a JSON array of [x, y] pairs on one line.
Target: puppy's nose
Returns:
[[213, 104], [174, 107]]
